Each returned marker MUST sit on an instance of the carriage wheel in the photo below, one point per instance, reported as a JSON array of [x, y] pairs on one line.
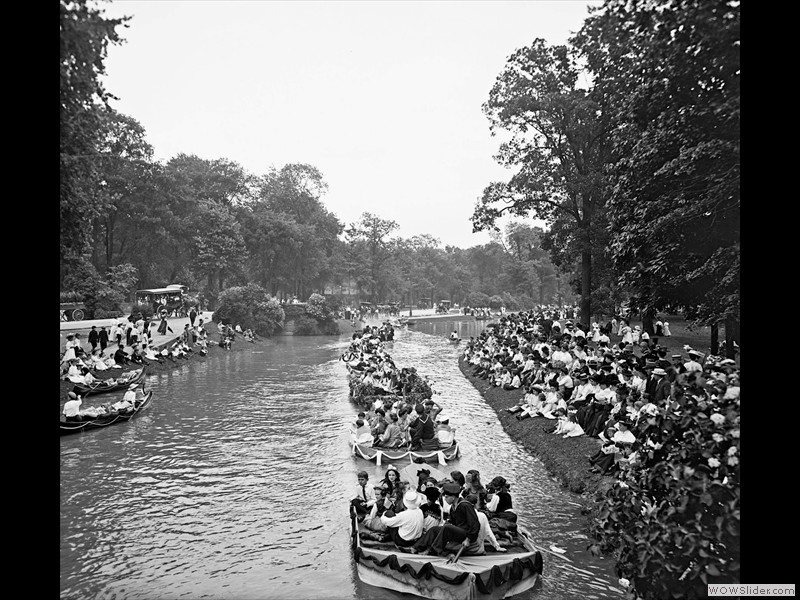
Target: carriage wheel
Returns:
[[77, 314]]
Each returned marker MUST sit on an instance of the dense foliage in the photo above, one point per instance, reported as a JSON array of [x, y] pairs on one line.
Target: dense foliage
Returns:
[[318, 317], [85, 37], [674, 518], [210, 224], [250, 306], [670, 72]]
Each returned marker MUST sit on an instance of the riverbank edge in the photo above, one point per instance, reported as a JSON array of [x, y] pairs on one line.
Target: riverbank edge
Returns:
[[154, 367], [565, 459]]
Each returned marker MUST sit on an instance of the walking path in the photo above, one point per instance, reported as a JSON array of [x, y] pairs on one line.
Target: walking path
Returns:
[[159, 341]]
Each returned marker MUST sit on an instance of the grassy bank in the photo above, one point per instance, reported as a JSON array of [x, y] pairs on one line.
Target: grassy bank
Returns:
[[565, 459]]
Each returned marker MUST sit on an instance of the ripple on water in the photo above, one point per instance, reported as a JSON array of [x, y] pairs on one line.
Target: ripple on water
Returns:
[[235, 484]]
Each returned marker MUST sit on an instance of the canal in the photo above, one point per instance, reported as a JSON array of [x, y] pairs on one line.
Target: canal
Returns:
[[234, 484]]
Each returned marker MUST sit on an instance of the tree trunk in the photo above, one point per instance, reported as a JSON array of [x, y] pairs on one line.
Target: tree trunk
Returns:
[[647, 320], [730, 336], [586, 286], [715, 338]]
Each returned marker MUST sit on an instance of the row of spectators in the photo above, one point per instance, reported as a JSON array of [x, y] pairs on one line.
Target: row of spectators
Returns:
[[599, 388]]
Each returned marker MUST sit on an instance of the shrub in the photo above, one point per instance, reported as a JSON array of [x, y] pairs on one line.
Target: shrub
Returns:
[[249, 306], [673, 517], [477, 299], [319, 308], [292, 311], [305, 325], [495, 302], [107, 314]]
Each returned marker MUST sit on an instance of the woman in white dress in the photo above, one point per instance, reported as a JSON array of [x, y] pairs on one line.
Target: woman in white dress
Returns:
[[626, 333]]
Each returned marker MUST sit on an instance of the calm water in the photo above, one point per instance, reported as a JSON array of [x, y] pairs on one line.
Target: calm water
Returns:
[[234, 484]]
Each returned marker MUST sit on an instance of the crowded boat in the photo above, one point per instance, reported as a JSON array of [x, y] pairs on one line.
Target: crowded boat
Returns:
[[399, 419], [433, 534]]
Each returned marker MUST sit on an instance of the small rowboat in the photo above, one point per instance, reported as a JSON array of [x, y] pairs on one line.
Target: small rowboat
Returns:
[[455, 341], [68, 427], [121, 382], [491, 576]]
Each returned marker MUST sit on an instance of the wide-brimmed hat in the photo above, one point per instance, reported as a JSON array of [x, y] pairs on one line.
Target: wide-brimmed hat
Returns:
[[659, 371], [412, 499]]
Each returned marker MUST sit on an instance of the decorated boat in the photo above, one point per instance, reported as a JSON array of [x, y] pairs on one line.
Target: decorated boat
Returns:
[[378, 454], [119, 383], [489, 576], [68, 426]]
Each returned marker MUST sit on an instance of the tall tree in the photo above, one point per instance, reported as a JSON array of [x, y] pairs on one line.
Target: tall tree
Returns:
[[125, 175], [558, 145], [85, 36], [294, 192], [370, 237], [670, 70]]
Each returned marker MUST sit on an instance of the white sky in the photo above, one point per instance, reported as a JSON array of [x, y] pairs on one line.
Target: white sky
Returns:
[[384, 98]]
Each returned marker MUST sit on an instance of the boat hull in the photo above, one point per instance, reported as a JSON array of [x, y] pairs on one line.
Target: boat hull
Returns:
[[70, 427], [379, 455], [84, 390]]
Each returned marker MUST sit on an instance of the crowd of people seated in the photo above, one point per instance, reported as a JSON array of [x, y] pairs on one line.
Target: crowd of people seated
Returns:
[[396, 418], [456, 513], [590, 384]]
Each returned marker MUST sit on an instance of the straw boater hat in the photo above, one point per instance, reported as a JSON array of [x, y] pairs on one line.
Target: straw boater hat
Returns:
[[659, 371]]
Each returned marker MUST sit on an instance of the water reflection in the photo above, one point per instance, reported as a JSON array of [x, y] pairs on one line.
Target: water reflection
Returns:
[[234, 483]]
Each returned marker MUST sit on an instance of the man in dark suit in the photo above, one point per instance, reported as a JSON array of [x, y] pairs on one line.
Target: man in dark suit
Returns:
[[662, 387], [94, 338], [103, 338]]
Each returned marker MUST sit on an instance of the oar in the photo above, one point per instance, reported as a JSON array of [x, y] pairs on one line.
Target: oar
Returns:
[[550, 552], [453, 559]]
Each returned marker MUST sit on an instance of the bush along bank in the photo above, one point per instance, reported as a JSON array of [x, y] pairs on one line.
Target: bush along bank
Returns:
[[671, 518]]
